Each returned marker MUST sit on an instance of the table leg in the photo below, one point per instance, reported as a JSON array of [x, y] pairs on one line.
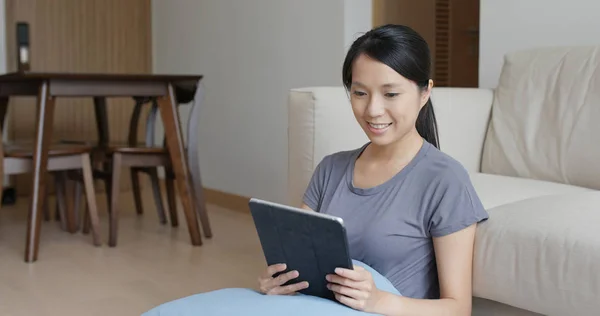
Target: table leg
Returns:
[[174, 139], [3, 110], [43, 135]]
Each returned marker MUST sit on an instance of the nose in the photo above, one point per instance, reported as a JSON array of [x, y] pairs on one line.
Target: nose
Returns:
[[376, 107]]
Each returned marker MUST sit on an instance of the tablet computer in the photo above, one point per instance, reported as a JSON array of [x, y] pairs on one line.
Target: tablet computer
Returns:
[[312, 243]]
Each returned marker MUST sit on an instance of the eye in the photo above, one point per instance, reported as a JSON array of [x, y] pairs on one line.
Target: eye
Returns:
[[359, 93], [391, 95]]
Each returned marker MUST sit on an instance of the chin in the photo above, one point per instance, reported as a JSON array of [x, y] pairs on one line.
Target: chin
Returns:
[[389, 137], [380, 140]]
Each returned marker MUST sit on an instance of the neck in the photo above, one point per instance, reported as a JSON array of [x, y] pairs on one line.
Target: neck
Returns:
[[402, 150]]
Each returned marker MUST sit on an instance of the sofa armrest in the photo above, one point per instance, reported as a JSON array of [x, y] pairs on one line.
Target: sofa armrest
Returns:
[[463, 115]]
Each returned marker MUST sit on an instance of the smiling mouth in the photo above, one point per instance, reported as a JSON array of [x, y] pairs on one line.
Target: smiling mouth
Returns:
[[379, 126]]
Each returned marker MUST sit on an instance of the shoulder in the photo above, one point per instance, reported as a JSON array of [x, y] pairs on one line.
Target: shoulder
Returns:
[[453, 203], [440, 168], [339, 158], [330, 170]]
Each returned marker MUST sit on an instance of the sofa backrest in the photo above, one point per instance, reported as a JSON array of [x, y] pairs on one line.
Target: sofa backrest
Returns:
[[321, 122], [545, 120]]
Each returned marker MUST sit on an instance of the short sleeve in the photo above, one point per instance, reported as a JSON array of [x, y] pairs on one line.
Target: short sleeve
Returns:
[[316, 186], [457, 205]]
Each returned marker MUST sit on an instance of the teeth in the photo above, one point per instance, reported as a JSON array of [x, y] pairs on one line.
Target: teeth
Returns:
[[379, 126]]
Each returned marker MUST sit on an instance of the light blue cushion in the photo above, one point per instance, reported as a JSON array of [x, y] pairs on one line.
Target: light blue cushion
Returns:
[[239, 301]]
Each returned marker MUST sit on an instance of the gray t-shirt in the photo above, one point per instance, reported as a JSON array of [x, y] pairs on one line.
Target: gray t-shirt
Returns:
[[390, 226]]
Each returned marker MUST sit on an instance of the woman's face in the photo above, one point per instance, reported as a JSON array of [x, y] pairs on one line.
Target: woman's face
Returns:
[[385, 104]]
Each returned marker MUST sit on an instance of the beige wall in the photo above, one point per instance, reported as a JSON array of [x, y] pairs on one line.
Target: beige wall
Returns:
[[532, 23], [252, 53]]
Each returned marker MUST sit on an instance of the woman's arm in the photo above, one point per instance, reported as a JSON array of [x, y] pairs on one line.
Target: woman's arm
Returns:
[[454, 256], [305, 207]]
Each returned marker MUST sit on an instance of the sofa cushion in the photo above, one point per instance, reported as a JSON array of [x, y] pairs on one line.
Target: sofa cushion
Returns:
[[495, 190], [542, 254], [485, 307], [545, 117]]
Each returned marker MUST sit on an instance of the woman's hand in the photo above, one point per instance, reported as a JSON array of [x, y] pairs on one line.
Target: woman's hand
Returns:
[[355, 288], [273, 286]]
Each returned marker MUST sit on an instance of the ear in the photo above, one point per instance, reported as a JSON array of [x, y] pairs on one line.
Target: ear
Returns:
[[427, 93]]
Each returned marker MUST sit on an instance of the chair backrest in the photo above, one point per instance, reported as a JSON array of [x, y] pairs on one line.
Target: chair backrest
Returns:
[[183, 97], [135, 119], [193, 126]]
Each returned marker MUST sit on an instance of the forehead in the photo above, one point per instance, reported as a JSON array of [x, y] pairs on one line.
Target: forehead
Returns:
[[369, 72]]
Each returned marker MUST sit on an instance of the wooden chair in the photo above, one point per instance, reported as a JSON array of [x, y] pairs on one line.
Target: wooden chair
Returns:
[[103, 155], [64, 162], [147, 157]]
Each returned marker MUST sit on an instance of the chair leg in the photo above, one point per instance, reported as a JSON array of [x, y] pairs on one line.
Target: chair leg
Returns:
[[114, 199], [65, 202], [69, 198], [135, 187], [107, 183], [86, 220], [57, 206], [172, 202], [77, 204], [157, 195], [47, 215], [61, 204], [90, 194], [70, 201]]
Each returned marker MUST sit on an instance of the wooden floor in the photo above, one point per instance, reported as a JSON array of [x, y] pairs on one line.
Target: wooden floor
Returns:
[[151, 264]]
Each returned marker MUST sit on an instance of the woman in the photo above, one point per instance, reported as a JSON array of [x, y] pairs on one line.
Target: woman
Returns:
[[410, 210]]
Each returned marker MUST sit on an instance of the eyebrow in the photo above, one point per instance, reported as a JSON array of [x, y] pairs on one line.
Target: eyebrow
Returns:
[[387, 85]]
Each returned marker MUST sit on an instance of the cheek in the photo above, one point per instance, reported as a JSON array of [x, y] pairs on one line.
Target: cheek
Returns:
[[358, 107], [404, 111]]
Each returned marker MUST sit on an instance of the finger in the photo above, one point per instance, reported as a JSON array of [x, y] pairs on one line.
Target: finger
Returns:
[[347, 291], [284, 277], [289, 289], [350, 302], [334, 278], [356, 275], [272, 269]]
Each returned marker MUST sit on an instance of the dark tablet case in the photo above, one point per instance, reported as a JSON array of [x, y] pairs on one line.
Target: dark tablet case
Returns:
[[314, 244]]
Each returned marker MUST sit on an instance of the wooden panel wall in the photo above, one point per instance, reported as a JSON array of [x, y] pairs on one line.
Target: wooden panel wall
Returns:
[[417, 14], [450, 27], [443, 50], [79, 36]]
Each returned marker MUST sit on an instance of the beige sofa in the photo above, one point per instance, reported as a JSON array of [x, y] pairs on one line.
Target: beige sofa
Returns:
[[532, 147]]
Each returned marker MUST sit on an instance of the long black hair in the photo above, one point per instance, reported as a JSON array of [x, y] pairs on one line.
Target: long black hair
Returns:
[[404, 50]]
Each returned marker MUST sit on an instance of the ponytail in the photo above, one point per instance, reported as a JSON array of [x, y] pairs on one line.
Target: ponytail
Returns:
[[427, 126]]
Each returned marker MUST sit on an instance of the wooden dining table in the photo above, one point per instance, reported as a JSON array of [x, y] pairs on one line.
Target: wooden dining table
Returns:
[[48, 86]]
